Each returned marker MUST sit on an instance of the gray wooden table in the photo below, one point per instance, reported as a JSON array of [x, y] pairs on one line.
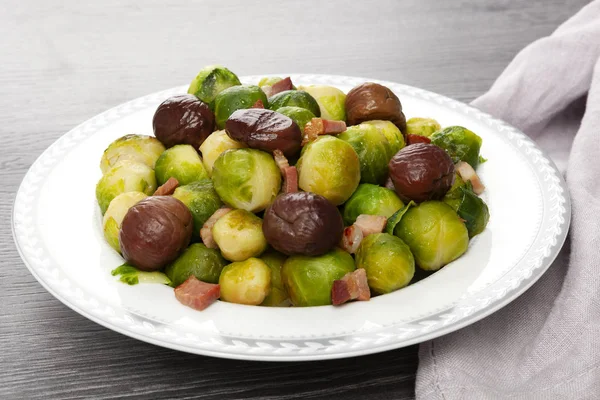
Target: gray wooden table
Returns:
[[63, 62]]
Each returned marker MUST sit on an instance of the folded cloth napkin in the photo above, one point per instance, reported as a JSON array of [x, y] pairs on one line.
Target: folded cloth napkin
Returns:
[[546, 344]]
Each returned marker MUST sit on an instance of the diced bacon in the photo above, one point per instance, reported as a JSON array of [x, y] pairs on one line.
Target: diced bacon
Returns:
[[334, 127], [389, 183], [353, 286], [290, 180], [268, 90], [197, 294], [281, 86], [320, 126], [369, 224], [258, 104], [167, 188], [467, 173], [351, 239], [413, 139], [281, 161], [206, 231]]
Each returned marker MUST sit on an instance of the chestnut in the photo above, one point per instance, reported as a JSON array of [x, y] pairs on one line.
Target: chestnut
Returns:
[[154, 232], [302, 223], [421, 172], [265, 130], [183, 119], [372, 101]]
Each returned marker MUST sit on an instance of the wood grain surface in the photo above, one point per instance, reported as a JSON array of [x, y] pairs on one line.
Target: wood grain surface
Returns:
[[62, 62]]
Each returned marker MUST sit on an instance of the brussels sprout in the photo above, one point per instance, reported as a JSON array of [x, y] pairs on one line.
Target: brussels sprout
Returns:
[[435, 234], [246, 178], [236, 98], [301, 116], [387, 260], [329, 167], [297, 98], [139, 148], [181, 162], [239, 235], [460, 143], [198, 260], [372, 200], [278, 296], [115, 213], [270, 81], [373, 149], [211, 81], [422, 126], [391, 133], [245, 282], [308, 280], [124, 176], [331, 100], [214, 145], [468, 206], [202, 200]]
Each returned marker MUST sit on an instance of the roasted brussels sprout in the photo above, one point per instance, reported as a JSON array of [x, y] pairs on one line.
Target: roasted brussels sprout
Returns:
[[422, 126], [239, 235], [211, 81], [421, 172], [460, 143], [201, 199], [330, 167], [372, 200], [387, 260], [236, 98], [297, 98], [371, 101], [181, 162], [301, 116], [468, 206], [302, 223], [278, 297], [435, 234], [245, 282], [373, 149], [391, 133], [198, 260], [331, 100], [138, 148], [125, 176], [246, 178], [265, 130], [183, 120], [115, 213], [155, 231], [308, 280], [217, 143]]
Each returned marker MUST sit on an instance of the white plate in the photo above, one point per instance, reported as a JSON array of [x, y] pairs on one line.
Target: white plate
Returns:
[[57, 228]]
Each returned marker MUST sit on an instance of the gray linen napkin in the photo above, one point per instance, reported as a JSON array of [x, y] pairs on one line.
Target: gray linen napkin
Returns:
[[546, 344]]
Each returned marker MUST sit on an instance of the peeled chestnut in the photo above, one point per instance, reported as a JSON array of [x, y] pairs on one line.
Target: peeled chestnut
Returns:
[[302, 223], [183, 120], [154, 232], [421, 172], [372, 101], [265, 130]]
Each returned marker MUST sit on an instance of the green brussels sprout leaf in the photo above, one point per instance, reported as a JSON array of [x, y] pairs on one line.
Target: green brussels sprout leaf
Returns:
[[460, 143], [132, 276], [469, 207], [396, 217]]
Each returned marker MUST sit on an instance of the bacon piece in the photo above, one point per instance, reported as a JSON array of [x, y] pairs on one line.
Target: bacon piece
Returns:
[[320, 126], [351, 239], [258, 104], [333, 127], [353, 286], [281, 161], [290, 180], [281, 86], [268, 90], [197, 294], [369, 224], [167, 188], [389, 183], [413, 139], [467, 173], [206, 231]]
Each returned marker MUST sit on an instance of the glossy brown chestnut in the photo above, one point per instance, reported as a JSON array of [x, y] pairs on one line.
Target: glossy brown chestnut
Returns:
[[155, 231], [371, 101], [421, 172], [265, 130], [302, 223], [183, 120]]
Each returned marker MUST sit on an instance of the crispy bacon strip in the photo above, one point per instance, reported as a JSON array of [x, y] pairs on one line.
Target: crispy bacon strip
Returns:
[[197, 294], [206, 231], [412, 139], [258, 104], [320, 126], [281, 86], [467, 173], [290, 180], [167, 188], [369, 224], [353, 286], [351, 239]]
